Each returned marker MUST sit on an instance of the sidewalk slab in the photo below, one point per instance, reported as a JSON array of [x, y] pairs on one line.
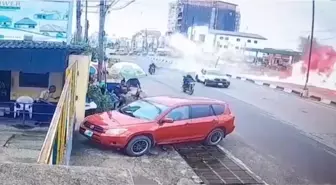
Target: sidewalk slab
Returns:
[[27, 174], [21, 145], [163, 168]]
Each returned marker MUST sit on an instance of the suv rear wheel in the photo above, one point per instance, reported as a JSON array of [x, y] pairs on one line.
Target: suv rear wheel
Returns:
[[214, 137]]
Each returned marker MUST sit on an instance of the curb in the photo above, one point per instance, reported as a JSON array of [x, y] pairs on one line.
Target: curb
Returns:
[[285, 89], [160, 60], [272, 86]]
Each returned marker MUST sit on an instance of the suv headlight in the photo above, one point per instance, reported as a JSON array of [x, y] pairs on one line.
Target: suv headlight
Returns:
[[115, 131]]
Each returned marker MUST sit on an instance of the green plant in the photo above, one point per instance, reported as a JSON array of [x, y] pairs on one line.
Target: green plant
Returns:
[[103, 100]]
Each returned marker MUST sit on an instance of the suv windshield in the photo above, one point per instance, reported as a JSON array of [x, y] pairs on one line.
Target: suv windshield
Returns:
[[143, 109], [213, 72]]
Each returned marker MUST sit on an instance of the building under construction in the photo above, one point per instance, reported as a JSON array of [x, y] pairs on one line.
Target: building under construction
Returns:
[[217, 15]]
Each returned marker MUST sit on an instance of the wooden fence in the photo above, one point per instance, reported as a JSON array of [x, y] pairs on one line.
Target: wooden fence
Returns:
[[61, 128]]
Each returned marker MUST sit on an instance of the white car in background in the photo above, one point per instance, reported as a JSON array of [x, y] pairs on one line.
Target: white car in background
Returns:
[[212, 77], [151, 53]]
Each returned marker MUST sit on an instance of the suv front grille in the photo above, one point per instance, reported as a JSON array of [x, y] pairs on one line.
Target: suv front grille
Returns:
[[94, 127]]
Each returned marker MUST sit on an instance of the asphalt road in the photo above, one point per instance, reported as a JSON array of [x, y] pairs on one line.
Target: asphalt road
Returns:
[[272, 131]]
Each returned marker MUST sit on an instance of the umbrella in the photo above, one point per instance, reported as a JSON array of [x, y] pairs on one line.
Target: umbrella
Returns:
[[93, 70], [127, 70]]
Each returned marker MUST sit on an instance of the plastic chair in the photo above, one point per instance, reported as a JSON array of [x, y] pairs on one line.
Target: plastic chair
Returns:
[[24, 103]]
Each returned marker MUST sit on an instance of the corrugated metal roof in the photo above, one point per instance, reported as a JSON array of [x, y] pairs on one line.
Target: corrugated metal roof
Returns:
[[19, 44], [275, 51], [237, 34]]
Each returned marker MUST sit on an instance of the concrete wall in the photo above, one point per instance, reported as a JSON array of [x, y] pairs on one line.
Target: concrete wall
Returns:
[[82, 83]]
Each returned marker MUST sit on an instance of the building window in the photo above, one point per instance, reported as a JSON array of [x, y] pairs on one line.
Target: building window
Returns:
[[225, 46], [226, 38], [248, 41], [255, 42], [201, 37], [237, 47], [220, 46], [221, 38], [238, 39], [40, 80]]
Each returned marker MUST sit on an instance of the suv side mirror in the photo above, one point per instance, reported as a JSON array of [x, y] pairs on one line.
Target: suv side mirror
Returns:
[[166, 120]]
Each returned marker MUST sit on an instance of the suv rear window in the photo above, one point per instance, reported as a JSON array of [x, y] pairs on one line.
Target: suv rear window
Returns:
[[201, 111], [218, 109]]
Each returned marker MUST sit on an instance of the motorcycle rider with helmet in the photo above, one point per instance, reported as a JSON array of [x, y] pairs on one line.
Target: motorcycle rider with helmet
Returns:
[[152, 66], [187, 79]]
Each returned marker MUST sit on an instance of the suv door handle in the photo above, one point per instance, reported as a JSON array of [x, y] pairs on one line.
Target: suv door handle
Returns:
[[214, 121]]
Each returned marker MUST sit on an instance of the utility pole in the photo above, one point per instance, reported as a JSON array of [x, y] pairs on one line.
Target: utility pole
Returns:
[[103, 10], [101, 34], [78, 34], [192, 28], [86, 31], [146, 41], [305, 88]]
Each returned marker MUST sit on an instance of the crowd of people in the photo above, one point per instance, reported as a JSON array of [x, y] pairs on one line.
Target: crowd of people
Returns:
[[118, 93]]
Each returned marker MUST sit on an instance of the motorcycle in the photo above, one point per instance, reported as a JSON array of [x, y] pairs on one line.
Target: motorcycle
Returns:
[[151, 70], [131, 96], [188, 88]]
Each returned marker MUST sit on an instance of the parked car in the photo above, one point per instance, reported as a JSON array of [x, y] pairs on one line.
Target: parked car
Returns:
[[160, 120], [212, 77]]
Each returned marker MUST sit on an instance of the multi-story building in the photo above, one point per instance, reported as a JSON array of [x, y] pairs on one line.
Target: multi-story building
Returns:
[[225, 40], [215, 14], [146, 40]]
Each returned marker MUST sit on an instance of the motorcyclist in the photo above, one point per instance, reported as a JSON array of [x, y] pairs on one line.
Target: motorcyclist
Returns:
[[152, 65], [187, 79], [133, 82]]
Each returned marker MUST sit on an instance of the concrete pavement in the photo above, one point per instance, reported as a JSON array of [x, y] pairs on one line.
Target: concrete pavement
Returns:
[[325, 96], [20, 146], [165, 168], [297, 112], [274, 130]]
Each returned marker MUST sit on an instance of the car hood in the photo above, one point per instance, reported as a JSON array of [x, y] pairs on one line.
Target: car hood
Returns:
[[113, 119], [216, 76]]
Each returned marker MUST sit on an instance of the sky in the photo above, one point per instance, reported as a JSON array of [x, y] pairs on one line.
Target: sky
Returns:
[[282, 22]]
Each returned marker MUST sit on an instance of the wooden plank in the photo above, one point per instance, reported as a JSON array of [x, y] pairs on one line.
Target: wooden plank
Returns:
[[59, 138], [50, 137], [57, 120]]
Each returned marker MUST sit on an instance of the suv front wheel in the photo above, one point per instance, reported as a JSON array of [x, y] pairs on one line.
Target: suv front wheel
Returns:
[[138, 146]]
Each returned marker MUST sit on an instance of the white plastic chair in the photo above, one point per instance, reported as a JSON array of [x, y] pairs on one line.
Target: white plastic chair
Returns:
[[24, 103]]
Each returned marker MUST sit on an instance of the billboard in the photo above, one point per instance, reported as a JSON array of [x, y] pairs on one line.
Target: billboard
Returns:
[[41, 20]]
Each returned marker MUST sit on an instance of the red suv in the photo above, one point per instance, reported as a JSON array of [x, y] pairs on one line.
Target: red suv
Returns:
[[160, 120]]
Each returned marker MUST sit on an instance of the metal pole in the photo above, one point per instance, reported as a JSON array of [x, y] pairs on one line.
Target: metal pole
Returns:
[[78, 21], [101, 34], [192, 28], [86, 33], [305, 88], [146, 41]]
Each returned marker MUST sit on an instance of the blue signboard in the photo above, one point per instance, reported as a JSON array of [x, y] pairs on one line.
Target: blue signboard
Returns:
[[43, 20]]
